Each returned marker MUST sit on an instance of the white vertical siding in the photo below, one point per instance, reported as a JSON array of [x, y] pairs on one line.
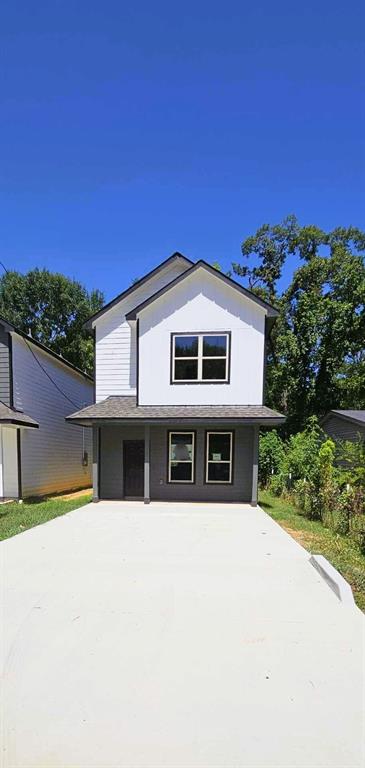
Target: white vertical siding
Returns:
[[115, 349], [51, 455], [202, 303]]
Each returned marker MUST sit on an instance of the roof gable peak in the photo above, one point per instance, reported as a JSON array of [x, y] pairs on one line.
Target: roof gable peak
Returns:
[[128, 291], [201, 264]]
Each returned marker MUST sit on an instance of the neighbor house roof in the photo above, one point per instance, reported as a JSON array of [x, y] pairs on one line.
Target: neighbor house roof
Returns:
[[11, 327], [357, 417], [18, 418], [166, 263], [270, 310], [125, 408]]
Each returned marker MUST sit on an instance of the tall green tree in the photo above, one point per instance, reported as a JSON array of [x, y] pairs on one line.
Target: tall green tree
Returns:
[[317, 347], [52, 308]]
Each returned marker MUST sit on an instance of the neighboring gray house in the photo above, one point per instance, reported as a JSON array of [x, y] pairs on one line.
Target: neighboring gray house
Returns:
[[179, 366], [39, 452], [344, 425]]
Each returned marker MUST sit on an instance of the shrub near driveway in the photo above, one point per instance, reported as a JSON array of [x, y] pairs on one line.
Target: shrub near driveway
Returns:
[[323, 480], [15, 518]]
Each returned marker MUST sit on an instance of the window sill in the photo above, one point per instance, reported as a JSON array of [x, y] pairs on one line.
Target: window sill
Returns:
[[208, 382]]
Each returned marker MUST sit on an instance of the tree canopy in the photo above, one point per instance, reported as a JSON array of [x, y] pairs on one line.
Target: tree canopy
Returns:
[[52, 308], [316, 358]]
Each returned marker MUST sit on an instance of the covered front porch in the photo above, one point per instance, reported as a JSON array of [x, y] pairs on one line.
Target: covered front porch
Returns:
[[176, 462], [175, 452]]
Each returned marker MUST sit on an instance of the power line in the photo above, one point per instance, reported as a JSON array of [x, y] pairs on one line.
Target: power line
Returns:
[[60, 390], [49, 376]]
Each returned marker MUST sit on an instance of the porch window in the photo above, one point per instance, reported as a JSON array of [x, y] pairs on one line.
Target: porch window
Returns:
[[200, 357], [181, 457], [219, 457]]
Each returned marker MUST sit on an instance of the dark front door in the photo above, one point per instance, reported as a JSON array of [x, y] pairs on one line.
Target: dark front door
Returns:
[[133, 462]]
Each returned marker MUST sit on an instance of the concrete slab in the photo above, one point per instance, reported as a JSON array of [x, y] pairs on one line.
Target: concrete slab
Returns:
[[176, 636]]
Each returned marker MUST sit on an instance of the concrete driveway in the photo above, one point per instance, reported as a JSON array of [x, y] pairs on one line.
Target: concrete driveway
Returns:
[[182, 636]]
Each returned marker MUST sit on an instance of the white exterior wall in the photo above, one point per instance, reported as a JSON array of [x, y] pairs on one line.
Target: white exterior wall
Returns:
[[9, 452], [115, 348], [202, 303], [51, 456]]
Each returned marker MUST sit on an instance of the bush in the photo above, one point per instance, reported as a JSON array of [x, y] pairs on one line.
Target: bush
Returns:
[[271, 456], [306, 499], [325, 482], [338, 520], [301, 459], [351, 463], [357, 530], [276, 484], [301, 497]]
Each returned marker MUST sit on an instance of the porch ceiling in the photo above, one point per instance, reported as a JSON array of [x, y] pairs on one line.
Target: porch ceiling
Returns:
[[125, 409]]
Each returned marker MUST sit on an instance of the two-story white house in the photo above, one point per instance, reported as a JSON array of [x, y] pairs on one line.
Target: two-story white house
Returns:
[[179, 383]]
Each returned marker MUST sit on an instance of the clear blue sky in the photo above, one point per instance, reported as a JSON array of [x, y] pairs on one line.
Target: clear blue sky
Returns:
[[131, 130]]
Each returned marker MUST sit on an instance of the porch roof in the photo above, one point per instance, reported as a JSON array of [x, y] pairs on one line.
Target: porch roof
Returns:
[[17, 418], [117, 409]]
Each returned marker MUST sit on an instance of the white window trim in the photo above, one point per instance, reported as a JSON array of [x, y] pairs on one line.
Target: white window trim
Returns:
[[211, 461], [200, 357], [184, 461]]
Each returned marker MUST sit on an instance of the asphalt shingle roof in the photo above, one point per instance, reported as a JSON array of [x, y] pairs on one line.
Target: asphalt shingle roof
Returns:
[[12, 416], [121, 407], [352, 414]]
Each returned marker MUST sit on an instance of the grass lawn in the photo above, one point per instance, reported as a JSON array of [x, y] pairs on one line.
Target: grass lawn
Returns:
[[341, 551], [15, 518]]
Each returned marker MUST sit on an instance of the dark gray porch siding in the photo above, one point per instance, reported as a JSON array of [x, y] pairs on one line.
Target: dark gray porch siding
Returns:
[[111, 458], [5, 388], [341, 429], [111, 465], [240, 490]]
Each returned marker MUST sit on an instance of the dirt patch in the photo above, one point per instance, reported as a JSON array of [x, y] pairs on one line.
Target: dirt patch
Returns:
[[73, 494], [302, 537]]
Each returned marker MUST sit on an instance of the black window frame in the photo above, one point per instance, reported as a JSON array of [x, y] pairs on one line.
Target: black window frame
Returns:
[[200, 357]]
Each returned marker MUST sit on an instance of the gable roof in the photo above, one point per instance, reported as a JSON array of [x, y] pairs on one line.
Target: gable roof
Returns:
[[167, 262], [357, 417], [11, 327], [270, 310]]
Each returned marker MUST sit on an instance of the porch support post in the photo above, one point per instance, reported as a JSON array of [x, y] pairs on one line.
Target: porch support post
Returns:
[[146, 463], [19, 462], [96, 463], [1, 464], [255, 466]]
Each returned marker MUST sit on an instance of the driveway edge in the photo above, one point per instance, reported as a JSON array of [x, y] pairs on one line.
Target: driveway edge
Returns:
[[333, 578]]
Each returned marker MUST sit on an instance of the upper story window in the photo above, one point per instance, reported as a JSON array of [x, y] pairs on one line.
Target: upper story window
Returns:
[[200, 357]]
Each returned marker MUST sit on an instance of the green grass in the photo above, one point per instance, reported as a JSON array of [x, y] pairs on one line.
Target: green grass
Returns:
[[15, 518], [341, 551]]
